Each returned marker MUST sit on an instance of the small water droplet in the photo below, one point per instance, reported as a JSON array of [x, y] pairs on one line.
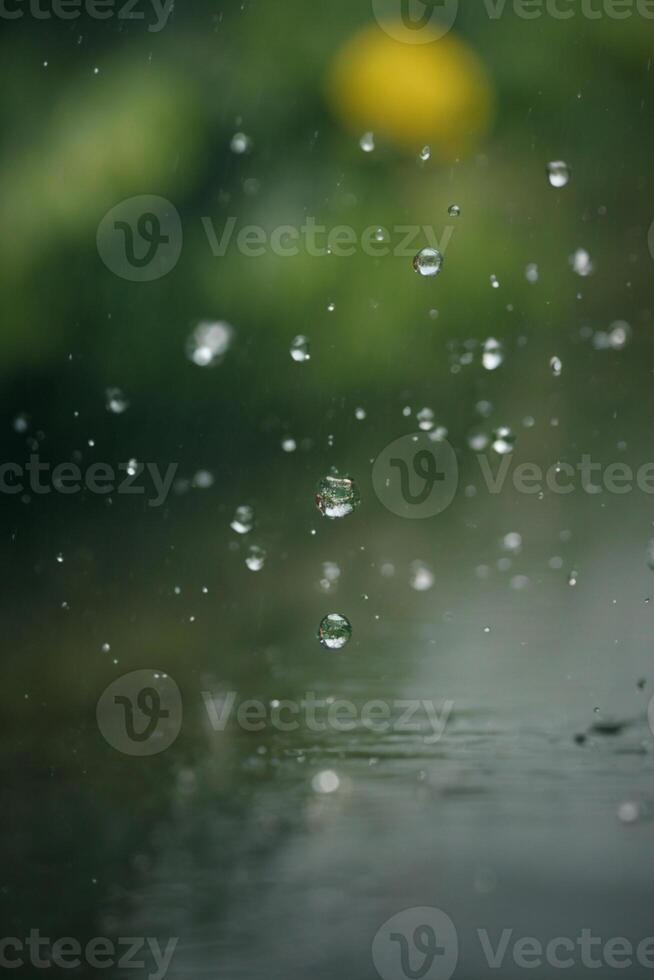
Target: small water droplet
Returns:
[[60, 558], [337, 496], [503, 440], [256, 558], [334, 631], [494, 281], [454, 211], [360, 414], [425, 153], [558, 173], [116, 402], [289, 445], [628, 812], [556, 366], [240, 143], [425, 419], [581, 263], [209, 343], [428, 262], [243, 521], [331, 307], [367, 142], [325, 782], [422, 577], [573, 578], [299, 349], [493, 354], [531, 273]]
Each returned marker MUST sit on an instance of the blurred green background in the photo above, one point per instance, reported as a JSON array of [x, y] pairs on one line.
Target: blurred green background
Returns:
[[98, 111]]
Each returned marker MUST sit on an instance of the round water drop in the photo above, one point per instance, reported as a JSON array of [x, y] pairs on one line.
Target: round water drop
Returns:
[[558, 173], [256, 558], [367, 142], [454, 210], [334, 631], [422, 577], [494, 281], [493, 354], [360, 414], [425, 419], [531, 272], [556, 366], [425, 153], [337, 496], [582, 263], [619, 333], [573, 578], [326, 781], [115, 401], [299, 349], [503, 440], [428, 262]]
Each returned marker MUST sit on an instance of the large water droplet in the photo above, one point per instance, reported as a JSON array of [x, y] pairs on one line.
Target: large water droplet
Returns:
[[558, 173], [581, 263], [209, 343], [428, 262], [299, 349], [337, 496], [256, 558], [334, 631]]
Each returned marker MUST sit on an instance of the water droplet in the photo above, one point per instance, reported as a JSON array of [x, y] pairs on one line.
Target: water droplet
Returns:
[[556, 366], [132, 466], [334, 631], [454, 210], [299, 349], [106, 647], [243, 520], [493, 354], [425, 419], [326, 781], [422, 577], [331, 307], [256, 558], [478, 441], [486, 629], [209, 343], [60, 558], [503, 440], [367, 142], [21, 423], [581, 263], [494, 281], [428, 262], [512, 542], [240, 143], [289, 445], [425, 153], [531, 272], [628, 812], [558, 173], [337, 496], [619, 333], [573, 578], [360, 414], [116, 401]]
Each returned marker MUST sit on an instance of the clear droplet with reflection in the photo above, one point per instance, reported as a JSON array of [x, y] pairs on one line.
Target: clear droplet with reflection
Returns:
[[256, 558], [367, 142], [337, 496], [243, 521], [299, 349], [116, 401], [428, 262], [493, 354], [209, 343], [556, 366], [425, 153], [454, 210], [334, 631], [503, 440]]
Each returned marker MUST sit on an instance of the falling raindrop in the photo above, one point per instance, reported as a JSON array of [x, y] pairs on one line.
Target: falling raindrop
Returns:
[[337, 496], [558, 173], [493, 354], [556, 366], [425, 153], [494, 281], [334, 631], [240, 143], [256, 558], [116, 401], [367, 142], [299, 349], [581, 263], [209, 343], [428, 262], [243, 521]]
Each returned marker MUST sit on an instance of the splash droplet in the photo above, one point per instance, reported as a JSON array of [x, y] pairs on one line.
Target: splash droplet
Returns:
[[334, 631]]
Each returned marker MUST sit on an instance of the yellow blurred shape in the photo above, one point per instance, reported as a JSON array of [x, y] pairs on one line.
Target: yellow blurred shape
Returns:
[[435, 94]]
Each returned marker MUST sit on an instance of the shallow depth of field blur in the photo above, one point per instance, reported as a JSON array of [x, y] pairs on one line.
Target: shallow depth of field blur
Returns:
[[530, 613]]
